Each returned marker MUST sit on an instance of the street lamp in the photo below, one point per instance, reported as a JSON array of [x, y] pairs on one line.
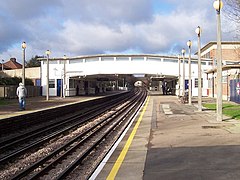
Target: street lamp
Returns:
[[189, 44], [218, 4], [24, 45], [48, 52], [179, 73], [183, 55], [199, 32], [64, 76], [2, 64]]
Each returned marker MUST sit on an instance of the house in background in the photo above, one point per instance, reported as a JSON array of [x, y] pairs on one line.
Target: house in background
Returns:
[[12, 68], [230, 68], [11, 64]]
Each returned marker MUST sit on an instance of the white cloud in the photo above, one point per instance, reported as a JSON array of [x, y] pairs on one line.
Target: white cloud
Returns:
[[76, 27]]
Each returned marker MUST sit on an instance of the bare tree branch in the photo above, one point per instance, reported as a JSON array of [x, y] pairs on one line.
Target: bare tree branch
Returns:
[[231, 9]]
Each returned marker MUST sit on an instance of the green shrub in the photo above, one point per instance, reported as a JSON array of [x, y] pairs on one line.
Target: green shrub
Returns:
[[15, 81]]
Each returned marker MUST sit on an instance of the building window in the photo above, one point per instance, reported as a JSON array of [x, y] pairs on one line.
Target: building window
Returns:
[[63, 61], [53, 62], [207, 55], [210, 83], [107, 59], [137, 58], [71, 83], [154, 59], [51, 83], [225, 79], [122, 59], [92, 59], [196, 82], [173, 60], [73, 61]]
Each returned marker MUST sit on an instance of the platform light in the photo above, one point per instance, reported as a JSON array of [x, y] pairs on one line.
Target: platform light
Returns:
[[24, 46], [64, 76], [218, 4], [179, 74], [48, 52], [183, 55], [2, 64], [199, 32], [189, 44]]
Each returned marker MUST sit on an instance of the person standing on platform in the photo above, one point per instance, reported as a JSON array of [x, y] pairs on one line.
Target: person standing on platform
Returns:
[[21, 93]]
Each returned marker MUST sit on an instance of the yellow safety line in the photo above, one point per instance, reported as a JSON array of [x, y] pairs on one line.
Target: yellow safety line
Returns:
[[123, 153]]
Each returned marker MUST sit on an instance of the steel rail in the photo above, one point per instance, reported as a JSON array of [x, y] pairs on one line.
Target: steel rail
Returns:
[[74, 164], [48, 137], [22, 137], [35, 165], [36, 132]]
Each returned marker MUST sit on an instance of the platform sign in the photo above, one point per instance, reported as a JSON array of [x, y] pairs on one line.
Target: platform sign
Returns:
[[238, 88], [235, 90]]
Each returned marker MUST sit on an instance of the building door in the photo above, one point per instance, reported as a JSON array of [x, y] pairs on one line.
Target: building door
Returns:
[[38, 82], [59, 87], [186, 84]]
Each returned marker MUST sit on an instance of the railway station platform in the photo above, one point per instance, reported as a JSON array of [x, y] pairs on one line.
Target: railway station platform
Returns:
[[34, 104], [167, 140], [173, 141]]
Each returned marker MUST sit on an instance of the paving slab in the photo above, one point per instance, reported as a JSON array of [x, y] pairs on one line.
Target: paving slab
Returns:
[[176, 142], [192, 145]]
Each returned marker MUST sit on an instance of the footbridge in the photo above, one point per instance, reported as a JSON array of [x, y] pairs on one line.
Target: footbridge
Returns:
[[71, 75]]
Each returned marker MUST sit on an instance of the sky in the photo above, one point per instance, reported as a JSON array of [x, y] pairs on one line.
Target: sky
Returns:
[[87, 27]]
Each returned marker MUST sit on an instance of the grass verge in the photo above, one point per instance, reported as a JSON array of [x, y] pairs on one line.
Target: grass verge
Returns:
[[231, 110]]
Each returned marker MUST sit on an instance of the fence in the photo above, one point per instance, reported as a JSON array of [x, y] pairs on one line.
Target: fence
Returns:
[[10, 91]]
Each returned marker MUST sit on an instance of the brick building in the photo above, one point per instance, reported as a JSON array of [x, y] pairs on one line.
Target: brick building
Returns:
[[11, 64], [12, 68], [231, 66]]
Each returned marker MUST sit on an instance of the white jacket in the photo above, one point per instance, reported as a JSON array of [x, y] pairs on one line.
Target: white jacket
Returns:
[[21, 92]]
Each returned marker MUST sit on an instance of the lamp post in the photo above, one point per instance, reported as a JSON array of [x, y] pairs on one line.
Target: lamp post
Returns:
[[199, 32], [47, 82], [2, 64], [179, 74], [183, 55], [218, 6], [189, 44], [24, 45], [64, 76]]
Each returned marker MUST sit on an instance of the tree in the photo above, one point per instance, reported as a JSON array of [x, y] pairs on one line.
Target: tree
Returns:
[[232, 11], [33, 62]]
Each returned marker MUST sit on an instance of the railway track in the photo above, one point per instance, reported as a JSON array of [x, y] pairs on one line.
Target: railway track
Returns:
[[74, 147], [17, 145]]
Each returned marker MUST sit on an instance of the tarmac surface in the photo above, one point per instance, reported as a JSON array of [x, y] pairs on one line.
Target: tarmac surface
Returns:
[[176, 142], [173, 141], [192, 145]]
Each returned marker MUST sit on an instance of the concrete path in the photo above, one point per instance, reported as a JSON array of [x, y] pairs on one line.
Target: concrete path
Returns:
[[187, 144], [176, 142]]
